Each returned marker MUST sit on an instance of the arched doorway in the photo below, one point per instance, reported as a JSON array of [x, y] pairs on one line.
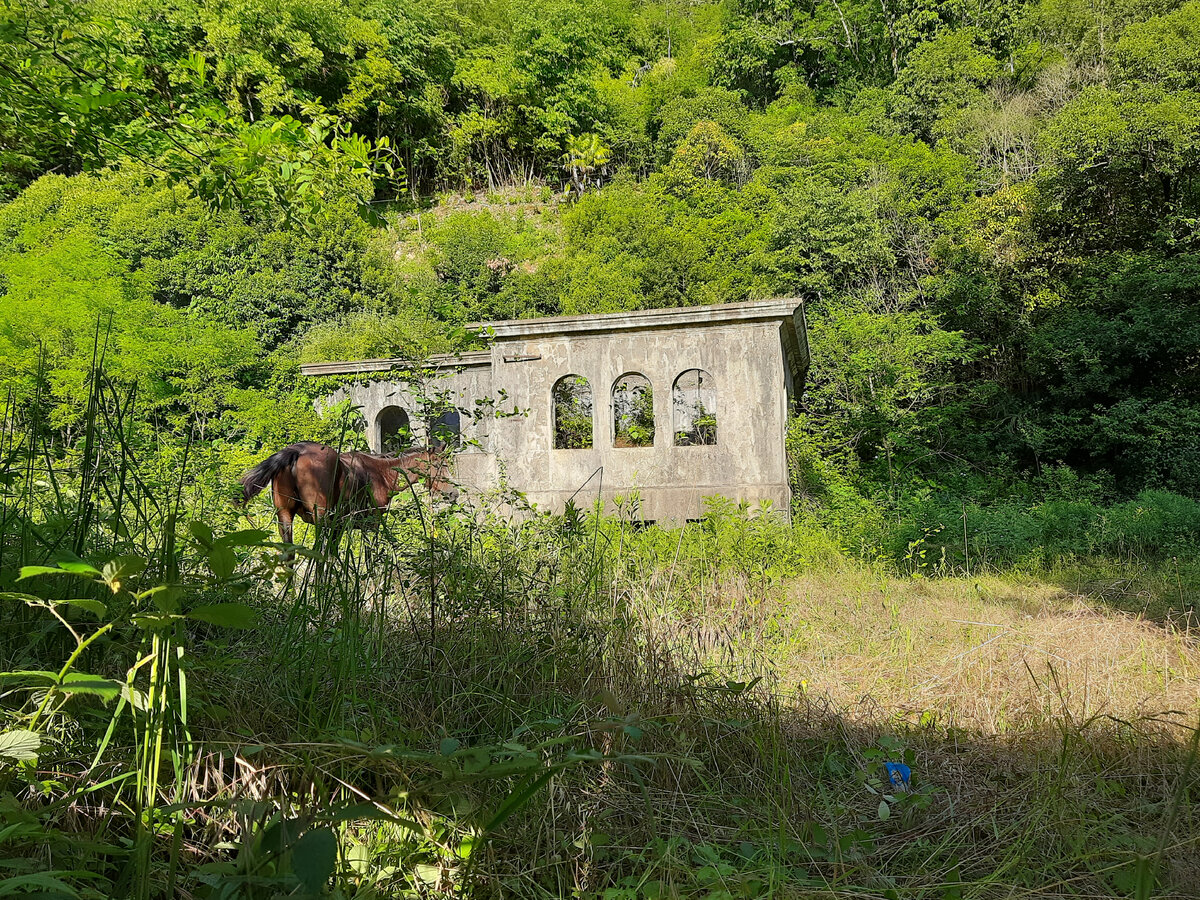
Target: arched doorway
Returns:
[[633, 411], [392, 430]]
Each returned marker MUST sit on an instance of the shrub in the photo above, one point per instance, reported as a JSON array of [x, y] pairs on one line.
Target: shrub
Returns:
[[1155, 524]]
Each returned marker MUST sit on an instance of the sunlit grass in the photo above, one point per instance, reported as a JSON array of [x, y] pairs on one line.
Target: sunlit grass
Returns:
[[992, 653]]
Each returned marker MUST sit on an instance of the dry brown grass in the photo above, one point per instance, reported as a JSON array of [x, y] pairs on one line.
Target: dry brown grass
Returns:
[[990, 654]]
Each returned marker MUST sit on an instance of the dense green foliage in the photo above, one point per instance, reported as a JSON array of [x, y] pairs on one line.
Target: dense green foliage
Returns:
[[989, 208]]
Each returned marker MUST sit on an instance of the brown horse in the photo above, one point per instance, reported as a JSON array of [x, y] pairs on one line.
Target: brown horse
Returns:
[[319, 484]]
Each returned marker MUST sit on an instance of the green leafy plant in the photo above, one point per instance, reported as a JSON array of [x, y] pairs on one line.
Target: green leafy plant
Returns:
[[585, 160], [572, 403], [633, 407]]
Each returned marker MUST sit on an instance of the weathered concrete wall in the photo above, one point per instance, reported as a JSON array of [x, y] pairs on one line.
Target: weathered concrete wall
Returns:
[[462, 385], [755, 353], [747, 461]]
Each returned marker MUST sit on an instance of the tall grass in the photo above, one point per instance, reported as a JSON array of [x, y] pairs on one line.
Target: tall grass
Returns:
[[462, 704]]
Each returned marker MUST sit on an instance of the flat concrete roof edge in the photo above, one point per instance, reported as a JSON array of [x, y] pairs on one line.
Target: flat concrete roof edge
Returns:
[[440, 361], [777, 308]]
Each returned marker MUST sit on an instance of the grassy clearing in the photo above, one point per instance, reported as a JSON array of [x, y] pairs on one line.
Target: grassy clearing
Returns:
[[993, 654], [463, 705], [720, 778]]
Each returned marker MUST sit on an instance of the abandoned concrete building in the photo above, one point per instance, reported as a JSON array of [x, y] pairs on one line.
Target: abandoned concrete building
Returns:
[[675, 404]]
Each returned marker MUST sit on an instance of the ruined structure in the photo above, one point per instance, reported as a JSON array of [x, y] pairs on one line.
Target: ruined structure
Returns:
[[676, 404]]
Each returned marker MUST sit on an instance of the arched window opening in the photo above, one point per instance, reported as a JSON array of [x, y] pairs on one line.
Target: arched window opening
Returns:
[[633, 411], [394, 433], [694, 409], [445, 432], [572, 401]]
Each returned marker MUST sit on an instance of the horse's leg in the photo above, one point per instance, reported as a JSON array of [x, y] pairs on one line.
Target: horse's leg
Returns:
[[323, 530], [286, 517], [337, 531], [328, 529], [283, 490]]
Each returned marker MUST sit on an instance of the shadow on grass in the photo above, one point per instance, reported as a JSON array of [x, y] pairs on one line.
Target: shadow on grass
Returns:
[[533, 732], [485, 709], [1165, 593]]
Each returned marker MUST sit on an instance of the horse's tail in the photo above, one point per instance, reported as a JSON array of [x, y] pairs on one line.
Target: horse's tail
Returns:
[[264, 473]]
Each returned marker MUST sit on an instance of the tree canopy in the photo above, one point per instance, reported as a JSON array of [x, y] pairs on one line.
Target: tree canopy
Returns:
[[989, 208]]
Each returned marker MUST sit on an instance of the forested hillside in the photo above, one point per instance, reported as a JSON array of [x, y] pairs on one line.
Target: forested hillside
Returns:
[[990, 208], [962, 668]]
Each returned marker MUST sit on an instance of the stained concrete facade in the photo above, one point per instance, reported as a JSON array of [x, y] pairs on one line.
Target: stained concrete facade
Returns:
[[751, 360]]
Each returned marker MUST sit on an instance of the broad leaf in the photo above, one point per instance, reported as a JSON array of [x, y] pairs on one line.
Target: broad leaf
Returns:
[[280, 836], [83, 683], [202, 533], [20, 744], [33, 571], [95, 607], [229, 615], [250, 537], [221, 560], [153, 622], [78, 567], [427, 873], [135, 698], [121, 569], [314, 857], [358, 857], [27, 599], [165, 597], [47, 885], [22, 674]]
